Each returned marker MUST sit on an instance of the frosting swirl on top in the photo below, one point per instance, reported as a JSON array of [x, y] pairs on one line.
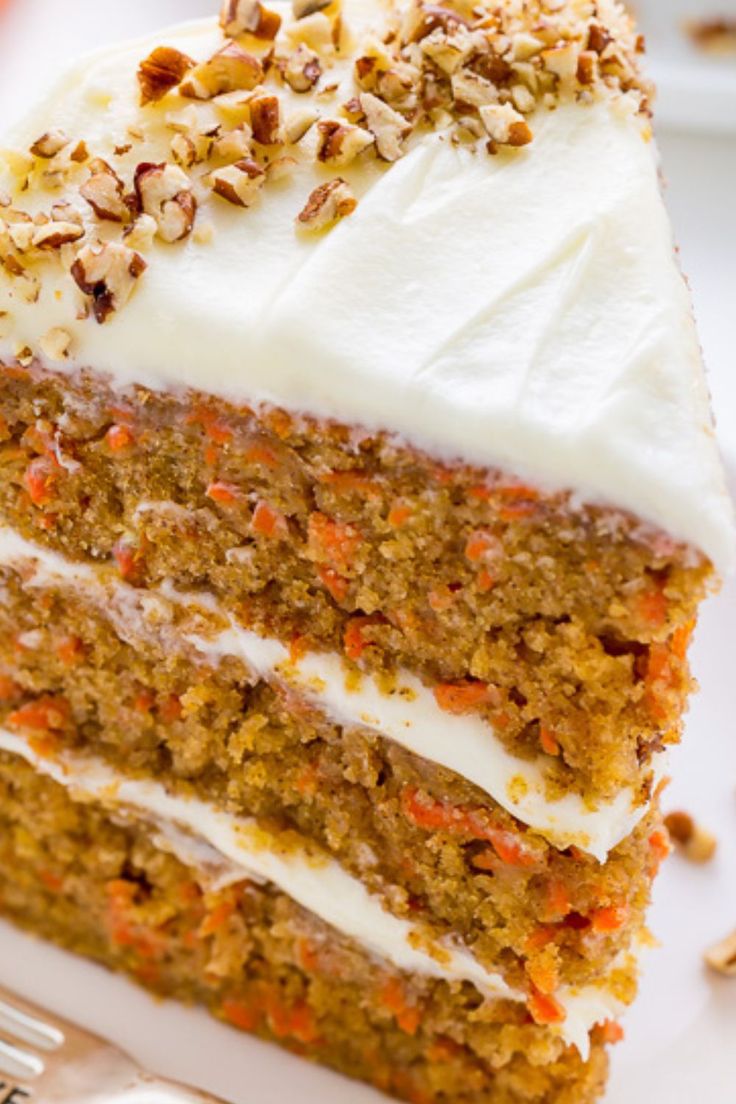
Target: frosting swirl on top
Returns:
[[372, 216]]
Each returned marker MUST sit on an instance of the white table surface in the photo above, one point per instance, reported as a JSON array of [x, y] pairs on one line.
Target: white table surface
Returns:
[[681, 1034]]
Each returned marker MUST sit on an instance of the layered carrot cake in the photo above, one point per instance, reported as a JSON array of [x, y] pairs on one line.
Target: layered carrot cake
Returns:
[[359, 491]]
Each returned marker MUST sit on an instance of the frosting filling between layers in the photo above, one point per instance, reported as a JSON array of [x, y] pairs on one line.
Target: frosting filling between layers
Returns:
[[523, 310], [316, 882], [409, 715]]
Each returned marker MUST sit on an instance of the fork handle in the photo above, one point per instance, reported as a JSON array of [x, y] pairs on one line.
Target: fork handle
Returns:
[[148, 1089]]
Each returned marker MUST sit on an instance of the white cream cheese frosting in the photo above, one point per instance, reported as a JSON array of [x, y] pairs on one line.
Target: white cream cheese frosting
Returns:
[[523, 311], [408, 715], [317, 883]]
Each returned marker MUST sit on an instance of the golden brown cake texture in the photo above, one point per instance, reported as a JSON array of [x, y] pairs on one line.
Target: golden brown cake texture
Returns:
[[563, 625]]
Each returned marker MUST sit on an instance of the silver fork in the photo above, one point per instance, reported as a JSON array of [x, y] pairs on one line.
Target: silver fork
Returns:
[[47, 1060]]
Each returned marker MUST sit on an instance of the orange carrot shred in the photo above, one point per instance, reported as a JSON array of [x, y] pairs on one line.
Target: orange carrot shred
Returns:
[[119, 437], [240, 1014], [43, 713], [398, 514], [39, 479], [545, 1009], [548, 741], [609, 919], [269, 522], [337, 584], [461, 697], [223, 493]]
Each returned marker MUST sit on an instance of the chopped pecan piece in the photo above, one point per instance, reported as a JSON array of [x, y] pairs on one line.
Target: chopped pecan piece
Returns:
[[49, 144], [249, 17], [55, 234], [339, 143], [164, 193], [471, 89], [239, 183], [265, 120], [693, 841], [231, 69], [302, 69], [326, 204], [108, 274], [302, 8], [105, 192], [505, 125], [387, 126], [161, 71], [298, 123]]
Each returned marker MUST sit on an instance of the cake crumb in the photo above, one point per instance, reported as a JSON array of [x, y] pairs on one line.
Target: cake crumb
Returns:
[[714, 36], [722, 956]]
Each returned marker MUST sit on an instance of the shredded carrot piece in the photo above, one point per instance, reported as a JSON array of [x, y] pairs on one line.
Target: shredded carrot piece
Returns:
[[443, 1049], [260, 453], [659, 844], [393, 997], [681, 639], [218, 432], [332, 540], [548, 741], [557, 900], [652, 606], [353, 640], [540, 938], [70, 650], [485, 581], [609, 919], [51, 880], [128, 559], [610, 1032], [346, 482], [224, 493], [39, 479], [306, 780], [544, 976], [337, 584], [170, 708], [240, 1014], [9, 690], [269, 522], [481, 544], [307, 955], [432, 815], [545, 1009], [43, 713], [297, 648], [462, 697], [217, 918], [441, 598], [398, 514], [119, 437], [278, 421], [144, 701]]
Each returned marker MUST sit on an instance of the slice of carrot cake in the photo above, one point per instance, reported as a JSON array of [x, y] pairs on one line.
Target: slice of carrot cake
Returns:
[[359, 492]]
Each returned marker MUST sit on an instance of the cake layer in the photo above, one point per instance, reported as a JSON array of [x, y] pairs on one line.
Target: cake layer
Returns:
[[160, 621], [565, 350], [108, 888], [225, 850], [563, 626]]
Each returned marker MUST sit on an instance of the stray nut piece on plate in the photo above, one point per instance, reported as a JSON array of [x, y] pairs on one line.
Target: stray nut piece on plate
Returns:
[[722, 956], [326, 204], [692, 841], [108, 273]]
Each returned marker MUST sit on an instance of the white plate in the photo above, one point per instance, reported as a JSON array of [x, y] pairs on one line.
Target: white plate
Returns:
[[682, 1031]]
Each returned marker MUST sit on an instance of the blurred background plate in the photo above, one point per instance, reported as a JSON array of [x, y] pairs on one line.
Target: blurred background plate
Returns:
[[681, 1035]]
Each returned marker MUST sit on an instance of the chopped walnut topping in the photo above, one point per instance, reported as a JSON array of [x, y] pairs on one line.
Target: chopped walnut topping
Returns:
[[326, 204], [56, 344], [239, 183], [161, 71], [229, 70], [108, 273], [164, 192], [562, 61], [55, 234], [505, 125], [183, 150], [449, 51], [722, 956], [65, 212], [105, 193], [339, 143], [387, 126], [302, 69], [692, 840], [298, 123], [265, 120], [234, 145], [239, 17]]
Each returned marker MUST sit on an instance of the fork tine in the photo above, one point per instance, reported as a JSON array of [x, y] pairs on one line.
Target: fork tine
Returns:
[[20, 1063], [29, 1029]]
